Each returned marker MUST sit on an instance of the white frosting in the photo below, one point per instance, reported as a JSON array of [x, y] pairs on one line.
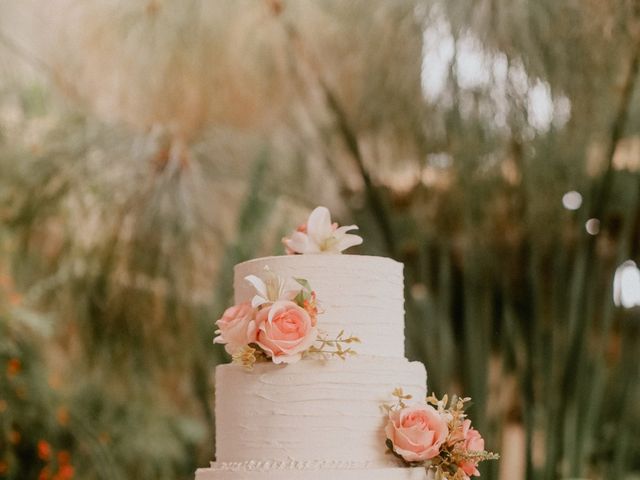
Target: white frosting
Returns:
[[362, 295], [310, 410], [270, 470]]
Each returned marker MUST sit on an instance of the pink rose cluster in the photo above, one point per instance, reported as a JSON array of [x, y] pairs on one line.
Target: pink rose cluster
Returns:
[[281, 329], [420, 434]]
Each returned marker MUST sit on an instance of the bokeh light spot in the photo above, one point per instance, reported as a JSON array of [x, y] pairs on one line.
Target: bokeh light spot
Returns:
[[592, 226], [626, 285], [572, 200]]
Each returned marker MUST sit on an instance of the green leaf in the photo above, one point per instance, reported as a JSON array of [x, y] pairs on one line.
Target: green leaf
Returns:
[[300, 298], [305, 283]]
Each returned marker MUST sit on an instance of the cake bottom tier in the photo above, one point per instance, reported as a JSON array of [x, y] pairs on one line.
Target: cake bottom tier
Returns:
[[308, 471]]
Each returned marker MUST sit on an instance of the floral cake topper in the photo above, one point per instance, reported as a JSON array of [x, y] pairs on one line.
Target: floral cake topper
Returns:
[[436, 435], [280, 324], [320, 235]]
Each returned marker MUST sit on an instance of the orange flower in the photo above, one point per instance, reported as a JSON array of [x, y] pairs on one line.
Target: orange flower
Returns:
[[4, 466], [44, 450], [44, 474], [66, 472], [14, 366], [63, 457]]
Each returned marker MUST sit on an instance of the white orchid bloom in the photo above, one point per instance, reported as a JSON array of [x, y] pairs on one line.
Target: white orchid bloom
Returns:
[[320, 235], [270, 289]]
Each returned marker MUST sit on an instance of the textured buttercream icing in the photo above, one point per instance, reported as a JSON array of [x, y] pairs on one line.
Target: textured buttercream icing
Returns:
[[362, 295], [311, 410], [317, 470]]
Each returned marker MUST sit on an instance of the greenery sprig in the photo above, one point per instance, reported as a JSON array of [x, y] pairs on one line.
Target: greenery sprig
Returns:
[[248, 355], [334, 347], [400, 398]]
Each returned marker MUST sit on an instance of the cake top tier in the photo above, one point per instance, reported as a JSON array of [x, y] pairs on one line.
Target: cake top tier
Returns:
[[358, 294]]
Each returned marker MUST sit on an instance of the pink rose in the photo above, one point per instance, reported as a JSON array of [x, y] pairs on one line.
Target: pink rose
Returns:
[[473, 442], [417, 433], [237, 327], [285, 330]]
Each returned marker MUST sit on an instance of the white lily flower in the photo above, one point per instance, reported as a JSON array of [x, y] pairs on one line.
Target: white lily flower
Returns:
[[270, 289], [320, 235]]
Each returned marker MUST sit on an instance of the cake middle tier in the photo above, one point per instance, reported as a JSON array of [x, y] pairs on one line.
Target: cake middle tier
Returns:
[[362, 295], [311, 410]]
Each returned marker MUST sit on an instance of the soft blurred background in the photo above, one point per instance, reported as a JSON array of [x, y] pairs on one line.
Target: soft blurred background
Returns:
[[146, 146]]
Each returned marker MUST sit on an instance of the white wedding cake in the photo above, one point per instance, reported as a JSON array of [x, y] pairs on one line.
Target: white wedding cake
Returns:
[[320, 418]]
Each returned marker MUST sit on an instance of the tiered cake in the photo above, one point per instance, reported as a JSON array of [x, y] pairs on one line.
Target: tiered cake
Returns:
[[320, 419]]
